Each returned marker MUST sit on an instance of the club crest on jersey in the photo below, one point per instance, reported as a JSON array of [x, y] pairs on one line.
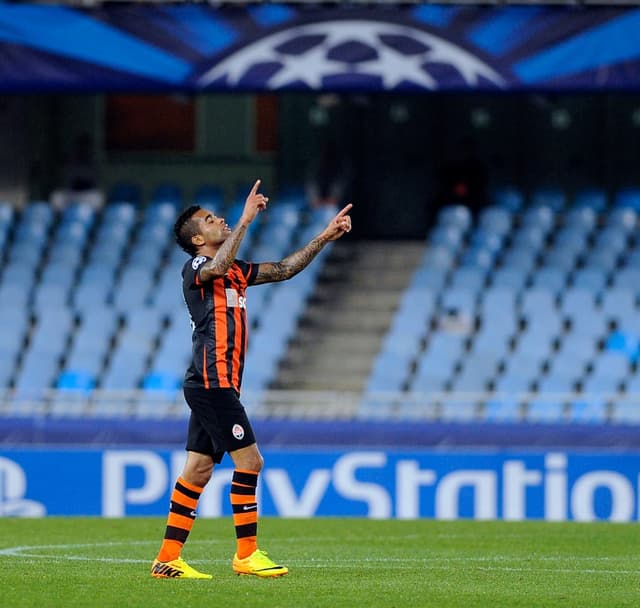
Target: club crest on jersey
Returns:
[[238, 431], [197, 261]]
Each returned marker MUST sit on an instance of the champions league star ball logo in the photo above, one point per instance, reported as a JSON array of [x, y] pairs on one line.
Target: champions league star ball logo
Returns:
[[349, 54]]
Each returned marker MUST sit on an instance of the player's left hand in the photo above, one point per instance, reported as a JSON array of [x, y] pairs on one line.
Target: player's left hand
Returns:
[[340, 224]]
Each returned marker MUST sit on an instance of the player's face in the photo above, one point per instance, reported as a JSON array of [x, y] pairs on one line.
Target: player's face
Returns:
[[213, 229]]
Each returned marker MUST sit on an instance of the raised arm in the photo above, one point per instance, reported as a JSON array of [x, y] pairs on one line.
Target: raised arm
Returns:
[[226, 254], [269, 272]]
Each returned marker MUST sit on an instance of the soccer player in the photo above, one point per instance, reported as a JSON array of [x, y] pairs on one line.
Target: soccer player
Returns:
[[213, 283]]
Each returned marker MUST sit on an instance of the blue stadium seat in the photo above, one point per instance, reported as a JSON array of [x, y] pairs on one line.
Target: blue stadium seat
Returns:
[[588, 410], [565, 369], [583, 218], [603, 259], [578, 347], [511, 278], [541, 216], [619, 304], [600, 385], [389, 372], [455, 216], [627, 278], [478, 259], [164, 384], [623, 343], [514, 382], [167, 193], [529, 236], [477, 371], [593, 279], [628, 197], [508, 197], [594, 199], [611, 237], [450, 237], [557, 383], [522, 260], [535, 344], [538, 302], [430, 278], [623, 218], [459, 299], [437, 257], [78, 381], [495, 220], [553, 198], [492, 342], [458, 410], [551, 278], [545, 411], [502, 410], [521, 370]]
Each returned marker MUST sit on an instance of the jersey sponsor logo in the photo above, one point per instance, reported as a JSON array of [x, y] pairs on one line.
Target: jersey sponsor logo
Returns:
[[235, 300], [238, 431], [196, 262]]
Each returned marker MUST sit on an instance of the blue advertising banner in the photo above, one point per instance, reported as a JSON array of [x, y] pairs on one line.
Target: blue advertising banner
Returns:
[[374, 483], [300, 47]]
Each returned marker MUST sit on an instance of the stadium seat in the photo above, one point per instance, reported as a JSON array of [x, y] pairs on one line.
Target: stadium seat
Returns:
[[502, 410], [553, 198], [581, 217], [455, 216], [495, 220], [588, 410], [76, 381], [545, 411], [551, 278], [593, 199], [541, 217], [628, 197], [508, 197]]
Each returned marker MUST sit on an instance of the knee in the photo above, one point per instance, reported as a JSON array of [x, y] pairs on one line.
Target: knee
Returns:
[[250, 462], [198, 473], [257, 462]]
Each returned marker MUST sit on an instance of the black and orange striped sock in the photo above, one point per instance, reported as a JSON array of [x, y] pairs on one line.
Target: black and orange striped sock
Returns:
[[245, 511], [182, 514]]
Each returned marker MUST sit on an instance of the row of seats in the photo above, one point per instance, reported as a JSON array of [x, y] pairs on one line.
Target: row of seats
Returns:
[[514, 305]]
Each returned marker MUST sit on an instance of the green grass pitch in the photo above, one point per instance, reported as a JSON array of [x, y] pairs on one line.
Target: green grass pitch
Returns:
[[86, 562]]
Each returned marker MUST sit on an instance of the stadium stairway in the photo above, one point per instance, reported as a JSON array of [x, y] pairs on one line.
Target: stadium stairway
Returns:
[[356, 297]]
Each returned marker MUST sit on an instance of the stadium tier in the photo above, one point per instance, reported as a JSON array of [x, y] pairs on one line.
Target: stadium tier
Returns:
[[526, 311]]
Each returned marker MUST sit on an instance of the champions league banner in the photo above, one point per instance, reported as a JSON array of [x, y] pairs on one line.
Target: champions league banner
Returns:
[[557, 485], [270, 47]]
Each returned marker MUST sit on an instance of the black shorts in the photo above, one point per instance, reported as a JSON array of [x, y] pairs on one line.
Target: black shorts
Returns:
[[218, 422]]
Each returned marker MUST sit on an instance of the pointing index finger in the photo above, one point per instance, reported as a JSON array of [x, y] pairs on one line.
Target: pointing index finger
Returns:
[[255, 188], [344, 210]]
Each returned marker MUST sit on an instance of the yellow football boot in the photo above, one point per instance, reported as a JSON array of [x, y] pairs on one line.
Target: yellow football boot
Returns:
[[176, 568], [258, 564]]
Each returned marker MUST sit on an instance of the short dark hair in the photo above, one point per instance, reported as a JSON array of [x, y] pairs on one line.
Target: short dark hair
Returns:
[[185, 229]]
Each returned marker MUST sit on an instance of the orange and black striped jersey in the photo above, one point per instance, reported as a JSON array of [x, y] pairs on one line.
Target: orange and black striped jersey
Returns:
[[219, 322]]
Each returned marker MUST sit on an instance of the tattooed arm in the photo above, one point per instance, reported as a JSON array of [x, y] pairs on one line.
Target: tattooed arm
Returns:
[[290, 266], [226, 254]]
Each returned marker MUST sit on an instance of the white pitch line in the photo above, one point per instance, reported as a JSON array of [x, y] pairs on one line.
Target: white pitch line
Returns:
[[396, 563]]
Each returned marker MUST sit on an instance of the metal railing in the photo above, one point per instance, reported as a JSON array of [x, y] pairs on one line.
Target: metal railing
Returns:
[[327, 405]]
